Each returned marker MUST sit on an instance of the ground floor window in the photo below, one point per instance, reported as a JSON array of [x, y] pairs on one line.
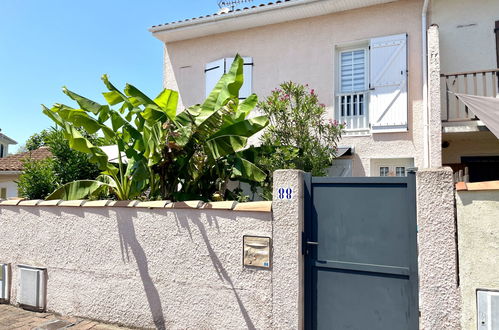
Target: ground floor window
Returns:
[[391, 166]]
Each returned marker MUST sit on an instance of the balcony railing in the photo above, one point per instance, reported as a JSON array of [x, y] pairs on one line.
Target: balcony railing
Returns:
[[353, 111], [480, 83]]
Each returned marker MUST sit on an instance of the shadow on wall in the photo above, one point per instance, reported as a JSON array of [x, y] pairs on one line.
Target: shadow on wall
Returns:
[[183, 220], [128, 240]]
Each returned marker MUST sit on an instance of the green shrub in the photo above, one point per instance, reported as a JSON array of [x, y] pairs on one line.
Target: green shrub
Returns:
[[299, 132], [37, 180]]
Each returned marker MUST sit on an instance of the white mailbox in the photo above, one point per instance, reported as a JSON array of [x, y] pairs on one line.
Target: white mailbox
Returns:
[[4, 283], [488, 310], [32, 284]]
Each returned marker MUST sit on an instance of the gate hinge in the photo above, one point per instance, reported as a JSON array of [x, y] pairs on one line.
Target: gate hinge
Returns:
[[303, 243]]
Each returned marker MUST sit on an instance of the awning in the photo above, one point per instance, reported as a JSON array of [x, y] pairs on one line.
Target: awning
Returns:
[[344, 151], [485, 108]]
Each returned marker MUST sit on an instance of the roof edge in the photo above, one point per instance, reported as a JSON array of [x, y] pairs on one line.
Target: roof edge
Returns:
[[273, 13], [8, 139]]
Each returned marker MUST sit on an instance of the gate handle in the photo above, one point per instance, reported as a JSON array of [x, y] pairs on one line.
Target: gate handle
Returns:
[[313, 243]]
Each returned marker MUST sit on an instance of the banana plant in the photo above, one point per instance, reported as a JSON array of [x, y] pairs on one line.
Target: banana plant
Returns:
[[192, 154]]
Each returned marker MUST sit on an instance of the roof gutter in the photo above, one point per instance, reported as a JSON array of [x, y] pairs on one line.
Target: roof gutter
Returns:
[[10, 172], [426, 110]]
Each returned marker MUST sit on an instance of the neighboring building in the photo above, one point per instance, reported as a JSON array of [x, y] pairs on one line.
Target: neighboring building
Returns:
[[5, 141], [469, 57], [12, 166], [363, 57]]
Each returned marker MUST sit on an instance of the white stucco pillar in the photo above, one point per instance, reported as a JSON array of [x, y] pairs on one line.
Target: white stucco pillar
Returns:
[[288, 266], [439, 301], [434, 97]]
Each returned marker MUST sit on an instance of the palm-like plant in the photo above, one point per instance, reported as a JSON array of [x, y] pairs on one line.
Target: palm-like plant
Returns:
[[190, 155]]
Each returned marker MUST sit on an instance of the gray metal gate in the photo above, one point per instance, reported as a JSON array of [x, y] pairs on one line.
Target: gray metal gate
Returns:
[[361, 253]]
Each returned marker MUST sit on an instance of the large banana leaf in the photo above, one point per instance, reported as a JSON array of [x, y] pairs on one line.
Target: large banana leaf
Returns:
[[82, 189], [234, 137]]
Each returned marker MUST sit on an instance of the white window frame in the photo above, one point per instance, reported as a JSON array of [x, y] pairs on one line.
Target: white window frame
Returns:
[[392, 164], [356, 125]]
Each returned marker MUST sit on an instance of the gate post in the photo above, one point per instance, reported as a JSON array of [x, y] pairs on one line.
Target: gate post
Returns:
[[439, 301], [288, 261]]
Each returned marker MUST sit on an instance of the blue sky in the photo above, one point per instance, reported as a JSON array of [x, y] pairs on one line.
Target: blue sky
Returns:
[[45, 45]]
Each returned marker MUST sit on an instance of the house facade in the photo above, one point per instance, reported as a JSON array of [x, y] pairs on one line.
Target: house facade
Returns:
[[469, 60], [6, 179], [5, 141], [12, 166], [365, 60]]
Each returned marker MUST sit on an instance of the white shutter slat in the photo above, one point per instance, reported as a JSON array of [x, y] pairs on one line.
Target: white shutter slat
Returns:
[[388, 76], [213, 72]]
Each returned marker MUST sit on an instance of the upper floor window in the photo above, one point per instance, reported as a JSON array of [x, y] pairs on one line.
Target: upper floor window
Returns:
[[372, 86], [214, 71], [2, 150]]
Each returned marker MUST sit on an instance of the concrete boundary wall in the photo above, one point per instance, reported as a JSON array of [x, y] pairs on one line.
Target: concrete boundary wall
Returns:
[[152, 265], [478, 225], [439, 299]]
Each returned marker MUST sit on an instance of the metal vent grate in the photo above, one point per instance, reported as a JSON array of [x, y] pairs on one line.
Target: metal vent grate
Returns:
[[32, 287], [488, 310], [4, 283]]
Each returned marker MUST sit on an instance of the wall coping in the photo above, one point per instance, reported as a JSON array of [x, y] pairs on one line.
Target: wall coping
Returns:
[[476, 186], [263, 206]]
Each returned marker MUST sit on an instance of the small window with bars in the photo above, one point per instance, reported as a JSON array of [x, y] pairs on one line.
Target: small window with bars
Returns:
[[384, 171], [352, 97], [400, 171]]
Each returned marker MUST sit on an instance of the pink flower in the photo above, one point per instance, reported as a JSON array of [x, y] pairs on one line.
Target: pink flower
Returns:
[[335, 122], [312, 91]]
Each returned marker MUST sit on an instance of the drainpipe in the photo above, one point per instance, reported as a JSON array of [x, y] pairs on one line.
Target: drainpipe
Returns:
[[426, 110]]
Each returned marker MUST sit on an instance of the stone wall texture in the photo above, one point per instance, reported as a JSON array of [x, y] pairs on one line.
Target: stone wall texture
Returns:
[[439, 300], [168, 269], [478, 225]]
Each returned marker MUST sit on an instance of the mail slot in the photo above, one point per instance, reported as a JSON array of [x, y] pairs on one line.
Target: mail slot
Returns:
[[256, 251]]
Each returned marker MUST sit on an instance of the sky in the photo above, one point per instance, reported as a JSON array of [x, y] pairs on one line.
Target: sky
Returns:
[[48, 44]]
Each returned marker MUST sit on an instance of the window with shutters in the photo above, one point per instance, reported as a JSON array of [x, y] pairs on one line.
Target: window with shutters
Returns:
[[214, 71], [372, 86]]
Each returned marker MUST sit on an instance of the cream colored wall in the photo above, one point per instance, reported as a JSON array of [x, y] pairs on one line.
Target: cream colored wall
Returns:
[[469, 144], [159, 268], [478, 230], [304, 51], [467, 39]]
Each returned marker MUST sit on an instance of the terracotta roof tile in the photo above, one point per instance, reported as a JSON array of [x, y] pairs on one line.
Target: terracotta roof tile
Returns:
[[14, 162], [226, 12]]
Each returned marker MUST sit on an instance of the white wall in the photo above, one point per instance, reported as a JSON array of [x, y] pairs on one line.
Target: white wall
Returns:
[[7, 181], [467, 39], [144, 268]]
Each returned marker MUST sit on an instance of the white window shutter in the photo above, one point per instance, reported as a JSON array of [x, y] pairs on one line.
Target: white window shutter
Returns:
[[388, 83], [213, 72]]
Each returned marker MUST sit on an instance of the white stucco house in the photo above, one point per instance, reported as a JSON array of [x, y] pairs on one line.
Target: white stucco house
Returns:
[[376, 64], [12, 166], [5, 177]]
